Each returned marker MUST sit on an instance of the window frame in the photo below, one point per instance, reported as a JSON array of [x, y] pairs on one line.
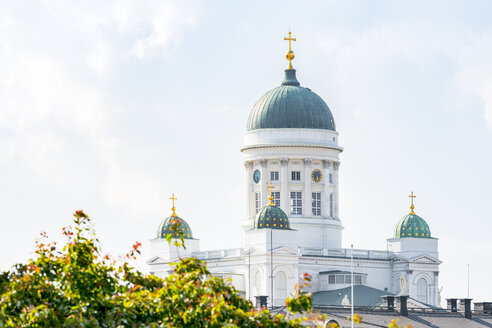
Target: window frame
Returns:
[[257, 202], [296, 202], [295, 175], [331, 201], [276, 198], [316, 203]]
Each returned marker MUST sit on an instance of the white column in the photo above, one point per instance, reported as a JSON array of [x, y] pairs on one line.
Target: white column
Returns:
[[284, 187], [263, 182], [307, 210], [435, 296], [336, 165], [249, 176], [325, 203]]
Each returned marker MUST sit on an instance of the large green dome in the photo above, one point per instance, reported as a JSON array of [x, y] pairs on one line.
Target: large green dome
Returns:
[[181, 225], [413, 226], [271, 217], [290, 106]]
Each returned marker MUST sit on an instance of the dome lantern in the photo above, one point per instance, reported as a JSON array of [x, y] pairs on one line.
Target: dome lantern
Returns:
[[290, 106]]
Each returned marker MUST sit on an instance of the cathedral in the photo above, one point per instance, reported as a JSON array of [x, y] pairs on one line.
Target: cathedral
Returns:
[[292, 224]]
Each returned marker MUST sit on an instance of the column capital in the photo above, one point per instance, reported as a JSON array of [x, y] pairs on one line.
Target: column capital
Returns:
[[262, 162], [336, 165], [248, 163], [284, 162], [326, 164], [308, 162]]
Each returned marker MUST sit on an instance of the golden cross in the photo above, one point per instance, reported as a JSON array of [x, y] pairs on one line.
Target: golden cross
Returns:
[[411, 206], [174, 208], [271, 197], [290, 54], [289, 39]]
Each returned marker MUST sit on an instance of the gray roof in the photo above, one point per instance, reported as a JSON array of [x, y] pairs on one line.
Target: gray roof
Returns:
[[290, 106], [363, 295], [381, 318]]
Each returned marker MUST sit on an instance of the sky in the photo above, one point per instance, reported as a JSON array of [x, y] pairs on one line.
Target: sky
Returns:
[[112, 106]]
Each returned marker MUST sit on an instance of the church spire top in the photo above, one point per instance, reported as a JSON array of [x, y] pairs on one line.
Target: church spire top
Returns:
[[412, 207], [271, 203], [290, 54], [173, 208]]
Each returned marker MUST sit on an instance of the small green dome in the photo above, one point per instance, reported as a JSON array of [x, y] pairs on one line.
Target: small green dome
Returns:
[[413, 226], [271, 217], [182, 225], [290, 106]]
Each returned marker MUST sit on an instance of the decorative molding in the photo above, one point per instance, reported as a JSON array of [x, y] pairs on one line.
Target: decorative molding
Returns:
[[336, 165], [326, 164], [425, 259], [248, 163], [262, 162], [308, 162], [291, 146], [436, 273], [284, 161]]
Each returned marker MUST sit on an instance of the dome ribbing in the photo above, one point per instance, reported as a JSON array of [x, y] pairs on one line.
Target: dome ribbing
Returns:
[[174, 225], [413, 226], [271, 217], [290, 106]]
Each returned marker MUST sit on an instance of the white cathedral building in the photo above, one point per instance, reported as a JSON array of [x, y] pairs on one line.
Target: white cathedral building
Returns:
[[292, 224]]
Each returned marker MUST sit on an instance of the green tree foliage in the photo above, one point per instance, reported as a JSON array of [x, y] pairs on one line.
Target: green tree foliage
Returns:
[[78, 286]]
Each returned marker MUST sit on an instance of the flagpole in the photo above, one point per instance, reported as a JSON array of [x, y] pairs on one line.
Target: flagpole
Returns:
[[352, 284]]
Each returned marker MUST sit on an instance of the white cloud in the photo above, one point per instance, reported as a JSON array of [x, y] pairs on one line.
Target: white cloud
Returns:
[[157, 24], [486, 93]]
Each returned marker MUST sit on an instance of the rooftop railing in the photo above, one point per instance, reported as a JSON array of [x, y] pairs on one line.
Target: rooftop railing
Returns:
[[218, 254], [345, 253]]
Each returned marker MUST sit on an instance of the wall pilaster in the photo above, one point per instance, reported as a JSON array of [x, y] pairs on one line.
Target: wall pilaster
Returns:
[[263, 181], [307, 197], [284, 189], [336, 166], [248, 165], [325, 204]]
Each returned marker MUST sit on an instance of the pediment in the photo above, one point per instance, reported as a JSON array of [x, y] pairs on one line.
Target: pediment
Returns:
[[284, 251], [156, 260], [425, 259], [277, 251], [398, 258]]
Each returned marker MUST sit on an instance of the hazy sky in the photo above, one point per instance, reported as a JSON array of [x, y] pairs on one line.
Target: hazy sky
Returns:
[[111, 106]]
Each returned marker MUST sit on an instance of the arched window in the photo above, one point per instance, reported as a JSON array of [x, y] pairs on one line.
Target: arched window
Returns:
[[422, 290], [280, 285]]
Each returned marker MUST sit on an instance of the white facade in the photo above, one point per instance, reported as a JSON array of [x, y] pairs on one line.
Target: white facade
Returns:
[[296, 153], [272, 260]]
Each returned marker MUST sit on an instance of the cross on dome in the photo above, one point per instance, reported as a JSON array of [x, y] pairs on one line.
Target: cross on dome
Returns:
[[173, 208], [412, 206], [271, 197], [290, 54]]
